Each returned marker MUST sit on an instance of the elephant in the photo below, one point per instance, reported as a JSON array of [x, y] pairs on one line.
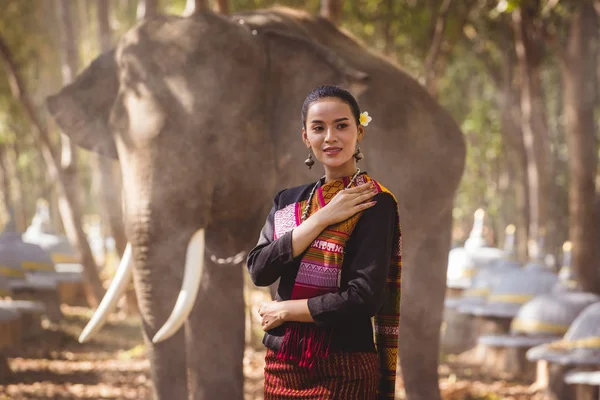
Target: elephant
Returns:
[[203, 114]]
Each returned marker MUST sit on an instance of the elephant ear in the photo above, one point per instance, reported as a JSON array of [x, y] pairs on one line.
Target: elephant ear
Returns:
[[300, 65], [82, 108]]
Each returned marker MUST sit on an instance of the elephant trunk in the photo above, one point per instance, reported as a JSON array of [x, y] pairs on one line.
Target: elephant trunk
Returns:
[[194, 266]]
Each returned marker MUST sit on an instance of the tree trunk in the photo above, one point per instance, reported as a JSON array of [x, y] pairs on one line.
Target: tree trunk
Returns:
[[508, 102], [436, 47], [109, 183], [597, 205], [194, 6], [440, 49], [110, 190], [12, 185], [57, 223], [222, 7], [579, 80], [147, 9], [71, 216], [332, 10], [512, 134], [69, 38], [104, 34], [5, 201], [518, 163], [69, 202], [533, 122], [387, 31], [20, 196]]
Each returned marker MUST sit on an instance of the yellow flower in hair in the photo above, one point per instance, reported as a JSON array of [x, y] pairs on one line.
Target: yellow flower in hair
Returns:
[[364, 118]]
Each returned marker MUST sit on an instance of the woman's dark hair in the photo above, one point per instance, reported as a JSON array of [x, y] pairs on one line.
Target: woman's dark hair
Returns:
[[328, 91]]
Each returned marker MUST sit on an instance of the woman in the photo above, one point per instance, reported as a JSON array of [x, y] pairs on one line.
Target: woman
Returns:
[[335, 245]]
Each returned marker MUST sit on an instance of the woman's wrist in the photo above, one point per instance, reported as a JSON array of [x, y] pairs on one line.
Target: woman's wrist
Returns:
[[285, 311], [320, 219], [295, 311]]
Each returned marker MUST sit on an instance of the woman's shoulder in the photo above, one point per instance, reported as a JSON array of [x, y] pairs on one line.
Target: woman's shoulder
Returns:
[[386, 200], [381, 216], [381, 186]]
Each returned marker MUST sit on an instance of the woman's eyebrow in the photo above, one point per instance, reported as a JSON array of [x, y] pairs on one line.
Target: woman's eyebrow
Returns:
[[316, 121]]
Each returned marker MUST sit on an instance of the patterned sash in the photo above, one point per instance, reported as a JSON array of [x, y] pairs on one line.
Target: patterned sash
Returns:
[[320, 273]]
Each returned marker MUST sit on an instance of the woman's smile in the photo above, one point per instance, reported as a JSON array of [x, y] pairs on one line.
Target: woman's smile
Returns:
[[332, 151]]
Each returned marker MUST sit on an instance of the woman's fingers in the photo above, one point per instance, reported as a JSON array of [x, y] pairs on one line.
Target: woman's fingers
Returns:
[[368, 195], [364, 206], [362, 197], [360, 188], [368, 191], [356, 189], [351, 201], [266, 325]]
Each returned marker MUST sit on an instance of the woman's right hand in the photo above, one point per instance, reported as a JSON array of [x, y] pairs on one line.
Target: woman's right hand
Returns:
[[346, 203]]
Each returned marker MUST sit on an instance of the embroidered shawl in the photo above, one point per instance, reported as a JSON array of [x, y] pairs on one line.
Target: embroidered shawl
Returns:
[[320, 272]]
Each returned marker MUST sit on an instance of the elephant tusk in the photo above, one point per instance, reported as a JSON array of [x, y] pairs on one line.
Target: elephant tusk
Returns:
[[113, 294], [194, 265]]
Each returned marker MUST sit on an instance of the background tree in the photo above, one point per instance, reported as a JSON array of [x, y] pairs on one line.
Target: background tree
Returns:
[[499, 67], [147, 8], [71, 217], [222, 7], [495, 52], [332, 10], [192, 6], [107, 172], [577, 58], [109, 189]]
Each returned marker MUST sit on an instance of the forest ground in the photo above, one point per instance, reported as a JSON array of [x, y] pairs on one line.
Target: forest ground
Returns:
[[113, 366]]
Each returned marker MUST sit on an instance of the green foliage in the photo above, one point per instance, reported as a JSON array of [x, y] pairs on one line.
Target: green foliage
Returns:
[[507, 6], [479, 119], [476, 35], [25, 28]]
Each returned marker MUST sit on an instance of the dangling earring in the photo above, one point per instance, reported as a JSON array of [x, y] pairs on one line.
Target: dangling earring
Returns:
[[309, 161], [358, 155]]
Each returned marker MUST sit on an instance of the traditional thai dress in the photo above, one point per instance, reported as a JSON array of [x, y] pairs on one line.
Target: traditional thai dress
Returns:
[[349, 274]]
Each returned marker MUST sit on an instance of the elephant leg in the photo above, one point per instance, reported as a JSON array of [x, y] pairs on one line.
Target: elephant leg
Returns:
[[215, 335], [157, 291], [423, 292]]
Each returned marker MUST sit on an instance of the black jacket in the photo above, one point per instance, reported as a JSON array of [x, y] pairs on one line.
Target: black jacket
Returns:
[[364, 270]]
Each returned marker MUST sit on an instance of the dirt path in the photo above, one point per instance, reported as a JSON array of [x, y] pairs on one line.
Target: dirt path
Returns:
[[113, 366], [55, 366]]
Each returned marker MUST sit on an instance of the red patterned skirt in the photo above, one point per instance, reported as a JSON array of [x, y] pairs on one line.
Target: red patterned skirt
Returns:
[[346, 376]]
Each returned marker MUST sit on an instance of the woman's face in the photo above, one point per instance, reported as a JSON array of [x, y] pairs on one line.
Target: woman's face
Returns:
[[332, 133]]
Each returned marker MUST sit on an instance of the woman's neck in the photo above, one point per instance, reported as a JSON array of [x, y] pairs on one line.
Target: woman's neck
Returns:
[[332, 174]]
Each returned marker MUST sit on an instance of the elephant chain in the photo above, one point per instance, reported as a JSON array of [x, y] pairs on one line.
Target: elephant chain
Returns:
[[233, 260]]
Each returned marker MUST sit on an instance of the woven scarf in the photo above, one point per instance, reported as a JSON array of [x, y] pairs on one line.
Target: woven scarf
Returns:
[[320, 273]]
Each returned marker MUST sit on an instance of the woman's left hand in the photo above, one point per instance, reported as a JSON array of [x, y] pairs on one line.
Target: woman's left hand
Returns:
[[272, 314]]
